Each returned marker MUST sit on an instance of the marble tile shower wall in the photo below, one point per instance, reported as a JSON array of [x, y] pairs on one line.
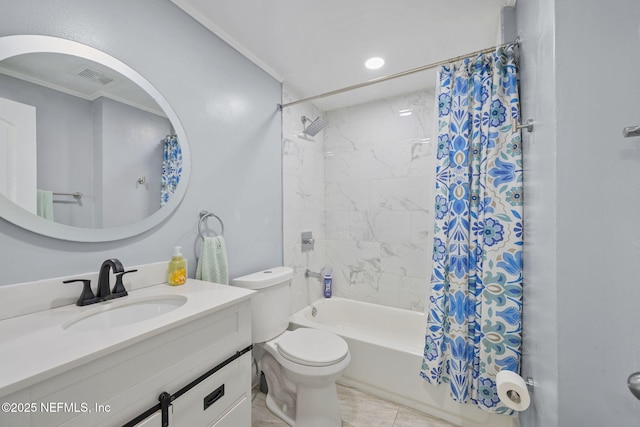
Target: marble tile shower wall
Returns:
[[379, 188], [303, 199], [364, 186]]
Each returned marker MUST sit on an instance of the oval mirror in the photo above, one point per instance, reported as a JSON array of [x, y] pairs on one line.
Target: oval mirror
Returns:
[[91, 151]]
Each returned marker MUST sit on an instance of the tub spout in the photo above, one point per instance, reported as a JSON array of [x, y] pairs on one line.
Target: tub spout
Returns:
[[309, 273]]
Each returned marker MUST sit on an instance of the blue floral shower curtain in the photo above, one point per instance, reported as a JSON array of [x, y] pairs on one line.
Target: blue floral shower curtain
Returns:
[[171, 167], [474, 318]]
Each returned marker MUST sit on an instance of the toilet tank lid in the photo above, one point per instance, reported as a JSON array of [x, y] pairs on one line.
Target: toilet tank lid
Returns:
[[264, 279]]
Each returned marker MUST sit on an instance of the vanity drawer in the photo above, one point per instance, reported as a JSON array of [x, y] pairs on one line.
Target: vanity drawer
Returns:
[[215, 398], [239, 415]]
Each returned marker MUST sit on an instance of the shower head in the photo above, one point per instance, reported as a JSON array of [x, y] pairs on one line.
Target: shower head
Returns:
[[316, 125]]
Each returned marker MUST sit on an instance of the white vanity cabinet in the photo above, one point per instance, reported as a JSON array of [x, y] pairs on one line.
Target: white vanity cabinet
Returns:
[[113, 386], [232, 402]]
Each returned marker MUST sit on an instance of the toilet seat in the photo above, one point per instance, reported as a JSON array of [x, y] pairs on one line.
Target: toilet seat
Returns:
[[312, 347]]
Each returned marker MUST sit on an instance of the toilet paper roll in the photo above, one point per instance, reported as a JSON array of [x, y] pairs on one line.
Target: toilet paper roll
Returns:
[[512, 390]]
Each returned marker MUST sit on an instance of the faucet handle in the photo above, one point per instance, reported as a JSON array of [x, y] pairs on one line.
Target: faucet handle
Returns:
[[86, 297], [119, 290]]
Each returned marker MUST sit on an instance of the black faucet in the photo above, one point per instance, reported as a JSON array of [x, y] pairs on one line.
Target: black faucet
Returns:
[[104, 288], [104, 292]]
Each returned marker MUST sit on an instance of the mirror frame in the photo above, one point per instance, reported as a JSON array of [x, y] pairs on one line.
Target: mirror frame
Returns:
[[23, 44]]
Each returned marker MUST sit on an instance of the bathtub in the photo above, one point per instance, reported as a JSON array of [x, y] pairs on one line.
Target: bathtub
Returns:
[[386, 346]]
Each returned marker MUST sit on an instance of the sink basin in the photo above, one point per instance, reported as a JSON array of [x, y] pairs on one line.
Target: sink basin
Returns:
[[117, 313]]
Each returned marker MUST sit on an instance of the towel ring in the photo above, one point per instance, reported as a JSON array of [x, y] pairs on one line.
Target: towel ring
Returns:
[[203, 216]]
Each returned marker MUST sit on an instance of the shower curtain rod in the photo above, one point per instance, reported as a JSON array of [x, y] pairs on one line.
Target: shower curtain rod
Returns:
[[396, 75]]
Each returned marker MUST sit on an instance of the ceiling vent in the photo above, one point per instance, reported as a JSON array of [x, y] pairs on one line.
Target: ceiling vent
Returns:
[[95, 76]]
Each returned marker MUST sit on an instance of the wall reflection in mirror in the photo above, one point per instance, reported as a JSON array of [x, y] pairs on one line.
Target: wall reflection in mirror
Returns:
[[81, 144]]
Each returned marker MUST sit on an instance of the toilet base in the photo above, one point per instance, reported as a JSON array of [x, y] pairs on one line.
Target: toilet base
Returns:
[[299, 404], [284, 412], [315, 407]]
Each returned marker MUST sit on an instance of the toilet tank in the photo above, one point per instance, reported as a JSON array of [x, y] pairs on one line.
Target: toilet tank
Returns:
[[271, 304]]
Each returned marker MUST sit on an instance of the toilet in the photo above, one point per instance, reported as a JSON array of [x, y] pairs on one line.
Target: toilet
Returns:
[[301, 366]]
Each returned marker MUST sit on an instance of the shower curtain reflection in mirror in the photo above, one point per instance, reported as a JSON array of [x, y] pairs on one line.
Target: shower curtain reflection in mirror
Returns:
[[171, 167]]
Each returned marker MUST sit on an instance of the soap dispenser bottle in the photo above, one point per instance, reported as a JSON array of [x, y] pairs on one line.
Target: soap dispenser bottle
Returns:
[[177, 268]]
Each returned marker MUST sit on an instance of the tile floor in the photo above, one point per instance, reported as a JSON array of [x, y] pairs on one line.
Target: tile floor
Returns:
[[358, 410]]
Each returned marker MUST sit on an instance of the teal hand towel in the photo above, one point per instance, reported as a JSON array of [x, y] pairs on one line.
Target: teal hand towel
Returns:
[[212, 264], [44, 205]]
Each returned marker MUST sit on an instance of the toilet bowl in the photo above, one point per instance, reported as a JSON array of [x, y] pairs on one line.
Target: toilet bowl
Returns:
[[300, 366]]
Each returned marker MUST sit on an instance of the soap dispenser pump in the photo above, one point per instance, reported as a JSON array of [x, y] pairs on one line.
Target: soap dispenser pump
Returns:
[[177, 268]]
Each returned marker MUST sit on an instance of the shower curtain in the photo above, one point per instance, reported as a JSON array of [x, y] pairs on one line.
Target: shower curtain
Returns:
[[474, 315], [171, 167]]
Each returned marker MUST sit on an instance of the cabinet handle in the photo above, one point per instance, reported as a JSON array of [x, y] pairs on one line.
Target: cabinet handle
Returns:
[[213, 396], [165, 402]]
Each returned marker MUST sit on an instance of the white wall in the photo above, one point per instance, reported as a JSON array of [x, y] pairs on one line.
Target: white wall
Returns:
[[379, 175], [579, 82], [131, 148], [303, 197], [227, 106], [598, 188], [536, 27]]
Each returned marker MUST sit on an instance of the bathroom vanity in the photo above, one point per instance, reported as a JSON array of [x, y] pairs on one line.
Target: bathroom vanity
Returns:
[[109, 363]]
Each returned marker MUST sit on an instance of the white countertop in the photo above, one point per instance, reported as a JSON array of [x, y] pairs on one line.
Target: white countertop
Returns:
[[35, 347]]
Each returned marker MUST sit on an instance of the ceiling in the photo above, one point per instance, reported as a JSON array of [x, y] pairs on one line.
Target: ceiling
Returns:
[[319, 46], [79, 77]]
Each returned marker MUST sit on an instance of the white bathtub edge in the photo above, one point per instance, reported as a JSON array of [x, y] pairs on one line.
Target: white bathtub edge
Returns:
[[359, 377]]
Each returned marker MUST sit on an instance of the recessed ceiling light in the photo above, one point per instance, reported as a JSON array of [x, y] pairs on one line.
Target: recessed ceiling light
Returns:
[[374, 63], [406, 112]]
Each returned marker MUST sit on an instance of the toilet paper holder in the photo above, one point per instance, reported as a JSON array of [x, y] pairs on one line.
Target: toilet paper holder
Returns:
[[530, 383], [515, 396]]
